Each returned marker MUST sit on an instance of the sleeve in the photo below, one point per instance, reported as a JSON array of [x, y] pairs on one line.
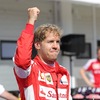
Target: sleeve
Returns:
[[2, 89], [23, 51], [88, 66]]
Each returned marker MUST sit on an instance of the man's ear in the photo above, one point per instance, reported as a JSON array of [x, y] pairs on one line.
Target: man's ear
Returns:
[[37, 45]]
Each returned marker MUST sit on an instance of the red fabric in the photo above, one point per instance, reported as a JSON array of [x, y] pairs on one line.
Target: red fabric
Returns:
[[24, 44]]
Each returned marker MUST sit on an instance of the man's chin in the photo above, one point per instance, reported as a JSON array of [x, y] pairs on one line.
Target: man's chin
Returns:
[[54, 59]]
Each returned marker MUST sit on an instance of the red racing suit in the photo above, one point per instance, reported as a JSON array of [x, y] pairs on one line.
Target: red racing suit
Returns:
[[37, 80], [93, 65]]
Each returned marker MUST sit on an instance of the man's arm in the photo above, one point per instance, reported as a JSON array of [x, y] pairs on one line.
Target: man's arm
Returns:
[[85, 78], [8, 96], [24, 43]]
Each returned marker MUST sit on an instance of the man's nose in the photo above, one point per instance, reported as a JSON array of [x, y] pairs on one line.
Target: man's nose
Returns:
[[55, 44]]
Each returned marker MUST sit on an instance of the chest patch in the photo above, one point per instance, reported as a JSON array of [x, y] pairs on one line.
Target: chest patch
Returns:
[[64, 80], [45, 77]]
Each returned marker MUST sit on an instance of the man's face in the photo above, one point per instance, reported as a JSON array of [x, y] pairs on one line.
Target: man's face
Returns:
[[98, 54], [49, 48]]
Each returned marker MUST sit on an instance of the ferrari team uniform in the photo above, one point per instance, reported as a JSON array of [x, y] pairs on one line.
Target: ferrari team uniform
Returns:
[[93, 65], [36, 79]]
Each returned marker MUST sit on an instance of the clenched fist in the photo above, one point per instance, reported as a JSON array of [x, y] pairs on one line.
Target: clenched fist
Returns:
[[33, 14]]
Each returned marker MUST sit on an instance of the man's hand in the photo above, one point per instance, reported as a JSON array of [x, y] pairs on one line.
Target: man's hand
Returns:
[[33, 14]]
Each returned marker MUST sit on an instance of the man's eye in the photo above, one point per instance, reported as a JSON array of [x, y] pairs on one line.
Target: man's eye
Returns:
[[50, 41], [58, 41]]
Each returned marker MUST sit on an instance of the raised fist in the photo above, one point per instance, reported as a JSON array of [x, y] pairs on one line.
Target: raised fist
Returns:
[[33, 14]]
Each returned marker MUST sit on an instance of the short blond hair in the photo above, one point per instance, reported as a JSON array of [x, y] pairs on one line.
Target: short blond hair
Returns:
[[42, 30]]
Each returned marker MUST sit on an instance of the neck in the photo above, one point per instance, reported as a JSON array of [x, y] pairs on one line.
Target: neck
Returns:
[[50, 64]]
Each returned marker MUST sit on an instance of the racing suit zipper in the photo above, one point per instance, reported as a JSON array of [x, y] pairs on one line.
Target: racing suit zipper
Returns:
[[57, 90], [56, 85]]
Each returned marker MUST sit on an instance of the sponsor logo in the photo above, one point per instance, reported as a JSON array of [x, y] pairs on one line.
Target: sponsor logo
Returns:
[[48, 78], [64, 80], [97, 71], [62, 94], [42, 92], [96, 66], [45, 77], [50, 94], [41, 76]]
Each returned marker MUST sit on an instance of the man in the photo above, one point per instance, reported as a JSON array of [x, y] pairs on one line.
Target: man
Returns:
[[6, 95], [41, 78], [92, 66]]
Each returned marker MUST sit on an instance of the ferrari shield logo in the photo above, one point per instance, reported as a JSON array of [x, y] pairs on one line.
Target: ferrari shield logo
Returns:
[[48, 78]]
